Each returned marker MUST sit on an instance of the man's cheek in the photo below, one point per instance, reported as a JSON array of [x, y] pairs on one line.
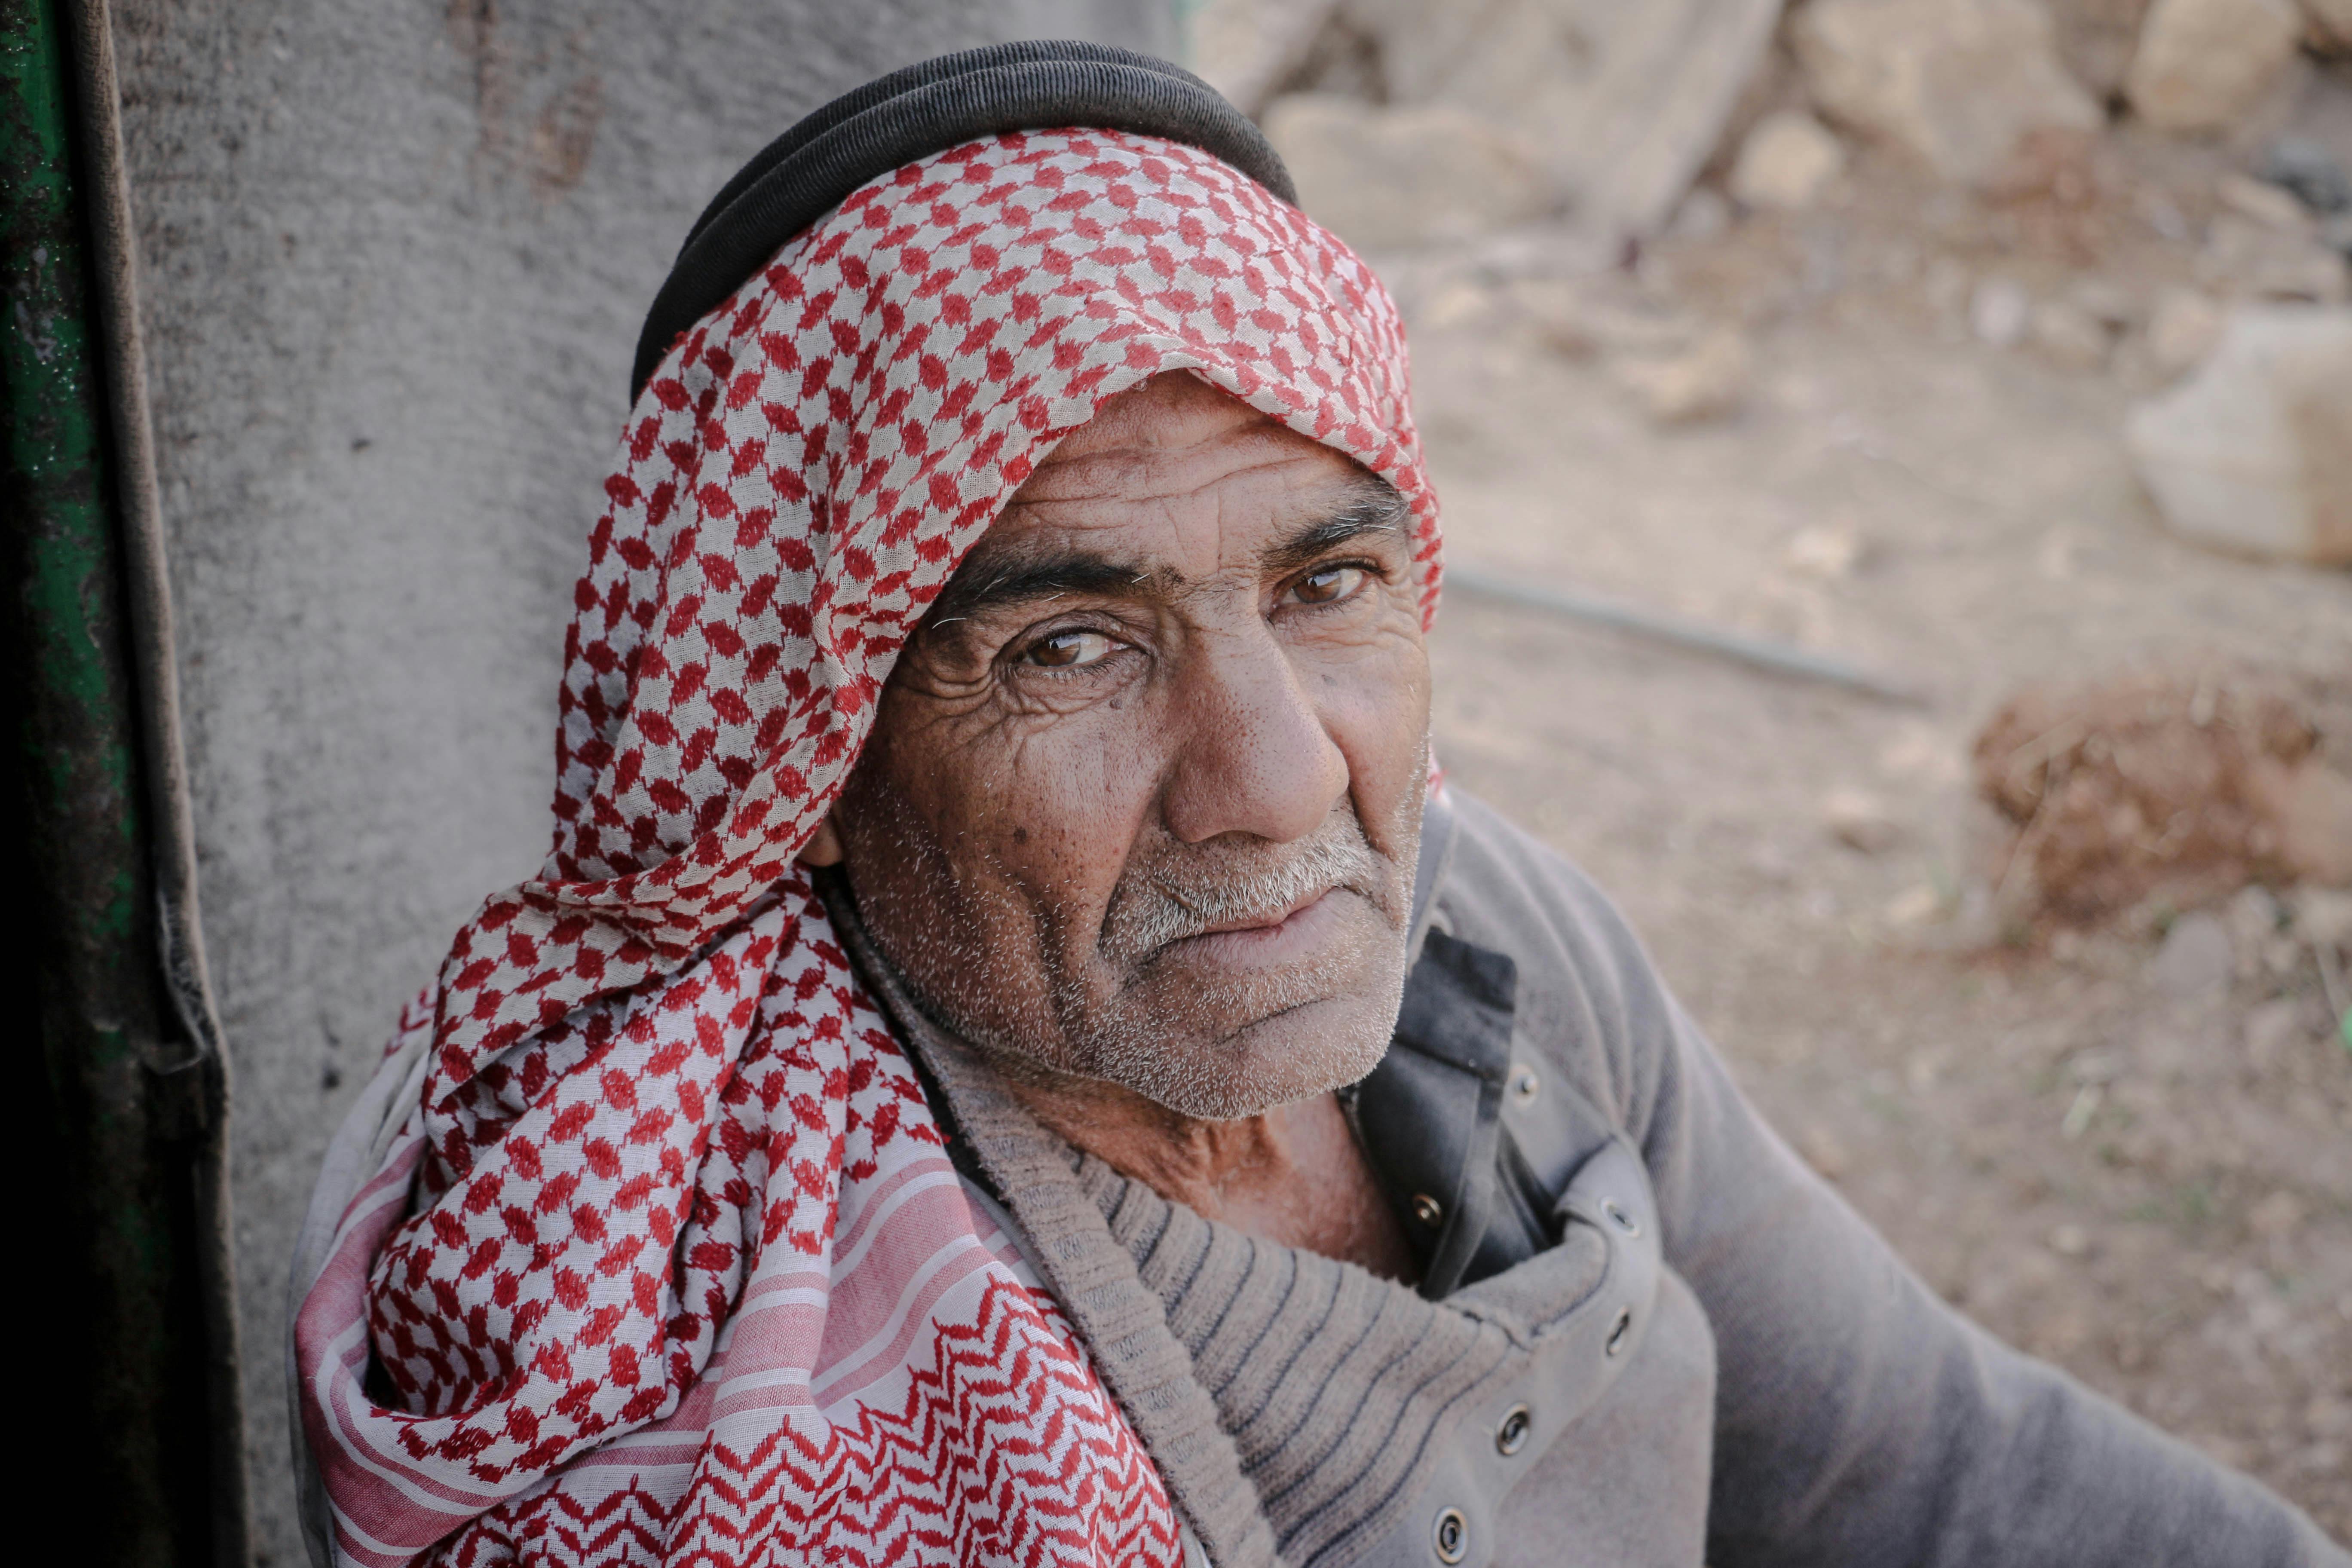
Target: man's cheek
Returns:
[[1073, 798], [1377, 710]]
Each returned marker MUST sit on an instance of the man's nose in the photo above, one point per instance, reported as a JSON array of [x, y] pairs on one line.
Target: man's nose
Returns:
[[1252, 752]]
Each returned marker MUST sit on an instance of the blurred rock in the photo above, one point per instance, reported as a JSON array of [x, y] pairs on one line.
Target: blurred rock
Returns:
[[1945, 285], [2270, 1028], [1915, 906], [1786, 163], [2306, 168], [2327, 26], [1705, 380], [1555, 312], [1457, 303], [2182, 330], [1549, 249], [2274, 207], [2095, 39], [2277, 1214], [1582, 316], [2200, 64], [2324, 916], [1825, 551], [2195, 960], [1960, 83], [1246, 48], [2263, 261], [2155, 207], [2319, 181], [2106, 303], [1624, 104], [1702, 215], [2253, 454], [2310, 810], [2070, 1241], [2254, 916], [1821, 1149], [1397, 178], [2068, 335], [1860, 821], [2160, 788], [1998, 312]]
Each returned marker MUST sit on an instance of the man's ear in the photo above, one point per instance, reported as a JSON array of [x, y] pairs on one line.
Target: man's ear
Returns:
[[824, 848]]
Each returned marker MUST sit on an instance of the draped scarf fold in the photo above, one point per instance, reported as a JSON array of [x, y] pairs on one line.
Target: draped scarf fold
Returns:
[[665, 1262]]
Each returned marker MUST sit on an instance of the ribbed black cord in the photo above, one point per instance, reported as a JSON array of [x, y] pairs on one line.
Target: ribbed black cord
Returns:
[[963, 62], [927, 108]]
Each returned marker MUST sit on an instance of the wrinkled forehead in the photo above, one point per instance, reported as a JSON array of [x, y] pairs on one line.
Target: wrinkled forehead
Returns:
[[1167, 438], [1174, 483]]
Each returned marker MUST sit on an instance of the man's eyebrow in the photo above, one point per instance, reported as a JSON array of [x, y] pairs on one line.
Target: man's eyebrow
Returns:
[[1018, 582], [1374, 507]]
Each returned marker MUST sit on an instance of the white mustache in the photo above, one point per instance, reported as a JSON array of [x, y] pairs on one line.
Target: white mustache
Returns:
[[1184, 894]]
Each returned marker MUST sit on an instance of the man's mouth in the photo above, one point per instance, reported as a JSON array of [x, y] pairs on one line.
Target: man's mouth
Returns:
[[1272, 918], [1233, 911], [1274, 939]]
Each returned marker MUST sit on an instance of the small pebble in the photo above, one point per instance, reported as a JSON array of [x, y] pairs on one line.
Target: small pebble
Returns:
[[1998, 312], [1821, 1151], [2196, 959], [1860, 821]]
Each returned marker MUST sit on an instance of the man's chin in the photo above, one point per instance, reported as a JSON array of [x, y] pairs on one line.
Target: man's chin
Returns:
[[1301, 1051]]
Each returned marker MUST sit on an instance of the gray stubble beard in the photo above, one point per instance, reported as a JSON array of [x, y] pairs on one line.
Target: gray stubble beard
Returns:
[[1181, 1062], [1173, 892]]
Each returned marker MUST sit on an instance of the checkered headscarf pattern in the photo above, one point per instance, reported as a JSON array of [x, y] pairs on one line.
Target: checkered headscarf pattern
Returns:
[[622, 1290]]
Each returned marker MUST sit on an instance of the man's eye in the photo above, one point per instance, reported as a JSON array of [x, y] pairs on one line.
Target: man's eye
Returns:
[[1328, 586], [1068, 650]]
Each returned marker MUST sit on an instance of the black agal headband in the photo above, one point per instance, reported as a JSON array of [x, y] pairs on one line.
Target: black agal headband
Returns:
[[925, 109]]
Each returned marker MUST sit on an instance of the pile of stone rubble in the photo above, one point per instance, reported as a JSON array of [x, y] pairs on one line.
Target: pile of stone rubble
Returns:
[[1583, 131]]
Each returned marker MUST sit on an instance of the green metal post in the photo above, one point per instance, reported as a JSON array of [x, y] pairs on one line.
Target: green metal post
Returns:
[[110, 1258]]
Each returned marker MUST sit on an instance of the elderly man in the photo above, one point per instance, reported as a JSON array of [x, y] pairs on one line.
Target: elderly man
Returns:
[[1014, 1057]]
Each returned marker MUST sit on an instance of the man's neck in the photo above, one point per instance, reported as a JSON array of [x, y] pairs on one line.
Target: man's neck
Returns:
[[1293, 1174]]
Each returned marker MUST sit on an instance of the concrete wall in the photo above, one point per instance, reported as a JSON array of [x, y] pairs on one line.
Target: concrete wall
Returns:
[[394, 257]]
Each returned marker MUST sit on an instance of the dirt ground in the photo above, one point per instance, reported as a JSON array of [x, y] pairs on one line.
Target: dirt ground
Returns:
[[2143, 1176]]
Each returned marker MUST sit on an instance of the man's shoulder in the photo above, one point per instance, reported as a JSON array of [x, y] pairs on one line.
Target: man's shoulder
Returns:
[[1506, 889], [1498, 875]]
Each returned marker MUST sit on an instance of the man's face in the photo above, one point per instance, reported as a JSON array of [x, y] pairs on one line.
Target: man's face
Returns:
[[1143, 795]]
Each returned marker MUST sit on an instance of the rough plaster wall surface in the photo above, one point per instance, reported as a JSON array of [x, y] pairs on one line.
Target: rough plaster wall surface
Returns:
[[394, 257]]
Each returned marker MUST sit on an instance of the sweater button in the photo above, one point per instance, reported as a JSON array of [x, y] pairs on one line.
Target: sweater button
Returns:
[[1523, 1084], [1452, 1537], [1428, 1211], [1512, 1435], [1618, 1332]]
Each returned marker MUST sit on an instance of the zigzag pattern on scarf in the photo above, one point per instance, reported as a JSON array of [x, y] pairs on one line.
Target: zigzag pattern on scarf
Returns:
[[1074, 1497]]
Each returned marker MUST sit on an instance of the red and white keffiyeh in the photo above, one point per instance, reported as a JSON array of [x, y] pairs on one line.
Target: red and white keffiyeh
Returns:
[[665, 1262]]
